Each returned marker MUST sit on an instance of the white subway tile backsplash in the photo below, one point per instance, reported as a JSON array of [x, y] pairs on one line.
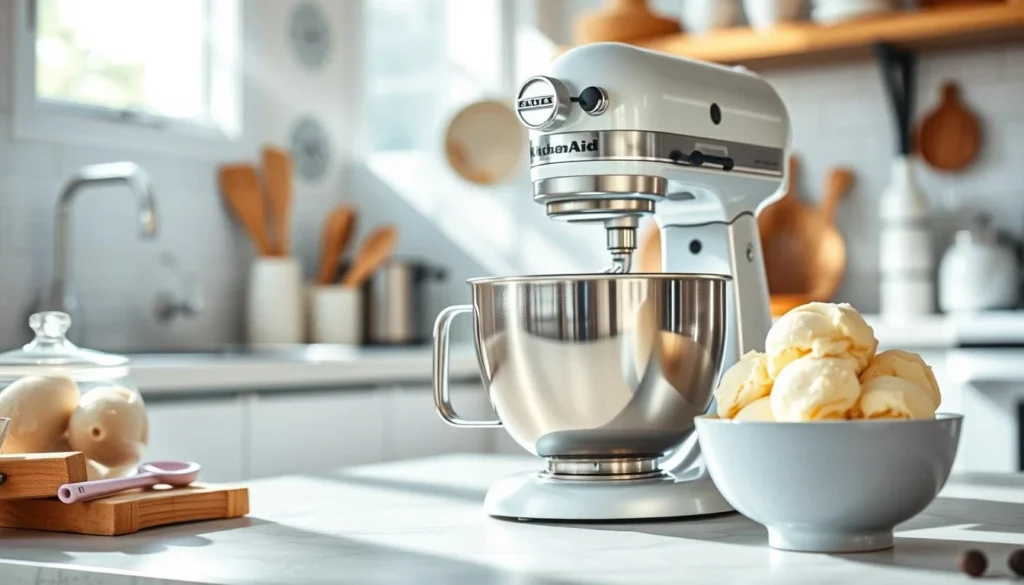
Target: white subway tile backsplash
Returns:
[[1013, 62], [26, 158], [6, 10], [840, 115], [994, 100]]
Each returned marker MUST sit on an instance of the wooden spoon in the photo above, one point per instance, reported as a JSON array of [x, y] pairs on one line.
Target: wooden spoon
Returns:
[[949, 137], [240, 188], [277, 171], [375, 250], [783, 226], [337, 232], [827, 248], [649, 254]]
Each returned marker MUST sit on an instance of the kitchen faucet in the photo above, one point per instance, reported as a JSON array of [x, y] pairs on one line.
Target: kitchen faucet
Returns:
[[60, 296]]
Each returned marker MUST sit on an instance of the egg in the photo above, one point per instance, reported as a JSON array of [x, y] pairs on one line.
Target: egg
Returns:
[[39, 408], [61, 446], [110, 426]]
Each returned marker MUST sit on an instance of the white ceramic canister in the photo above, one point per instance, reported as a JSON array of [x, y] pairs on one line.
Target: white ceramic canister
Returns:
[[905, 248], [274, 311]]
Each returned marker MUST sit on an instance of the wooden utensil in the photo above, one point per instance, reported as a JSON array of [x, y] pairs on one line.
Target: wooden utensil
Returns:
[[827, 247], [127, 512], [277, 173], [649, 254], [804, 253], [338, 228], [375, 250], [949, 137], [39, 475], [240, 188], [622, 20]]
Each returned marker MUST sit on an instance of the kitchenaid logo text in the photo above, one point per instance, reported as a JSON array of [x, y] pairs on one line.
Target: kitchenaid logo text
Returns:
[[536, 102], [572, 146]]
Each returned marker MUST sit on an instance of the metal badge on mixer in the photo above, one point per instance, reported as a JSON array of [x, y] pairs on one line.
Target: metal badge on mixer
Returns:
[[542, 103]]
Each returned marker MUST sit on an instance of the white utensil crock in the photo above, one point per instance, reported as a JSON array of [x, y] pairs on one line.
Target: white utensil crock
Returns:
[[905, 250], [336, 315], [274, 312]]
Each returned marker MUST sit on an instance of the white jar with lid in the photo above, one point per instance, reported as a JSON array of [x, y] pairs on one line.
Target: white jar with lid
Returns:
[[60, 397]]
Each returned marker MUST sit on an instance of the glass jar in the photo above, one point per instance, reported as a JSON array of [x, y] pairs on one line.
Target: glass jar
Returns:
[[60, 397]]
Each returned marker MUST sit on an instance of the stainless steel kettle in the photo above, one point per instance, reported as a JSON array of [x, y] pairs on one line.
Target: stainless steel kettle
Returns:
[[396, 301]]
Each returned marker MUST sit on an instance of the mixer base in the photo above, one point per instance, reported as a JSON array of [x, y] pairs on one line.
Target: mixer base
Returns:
[[534, 496]]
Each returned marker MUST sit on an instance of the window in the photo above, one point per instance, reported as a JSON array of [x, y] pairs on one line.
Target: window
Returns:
[[131, 67], [424, 59], [404, 60]]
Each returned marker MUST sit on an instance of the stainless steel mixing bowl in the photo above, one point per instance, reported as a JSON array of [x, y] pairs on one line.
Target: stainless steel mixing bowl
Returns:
[[592, 366]]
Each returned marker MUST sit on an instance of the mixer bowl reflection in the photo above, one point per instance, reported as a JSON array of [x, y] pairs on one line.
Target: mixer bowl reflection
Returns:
[[599, 366]]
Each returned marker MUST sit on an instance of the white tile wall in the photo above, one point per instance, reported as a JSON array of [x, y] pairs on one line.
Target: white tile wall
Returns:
[[839, 116], [116, 274]]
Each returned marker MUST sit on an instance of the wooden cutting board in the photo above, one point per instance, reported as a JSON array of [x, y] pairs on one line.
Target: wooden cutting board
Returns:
[[39, 475], [128, 512]]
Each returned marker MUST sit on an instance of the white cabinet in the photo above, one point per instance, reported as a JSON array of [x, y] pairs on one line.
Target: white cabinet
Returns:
[[414, 429], [310, 432], [209, 431]]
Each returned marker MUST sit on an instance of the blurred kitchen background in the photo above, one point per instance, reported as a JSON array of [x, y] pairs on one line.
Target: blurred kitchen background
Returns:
[[394, 110]]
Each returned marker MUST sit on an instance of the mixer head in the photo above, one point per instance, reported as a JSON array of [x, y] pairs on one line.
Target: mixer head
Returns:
[[616, 131]]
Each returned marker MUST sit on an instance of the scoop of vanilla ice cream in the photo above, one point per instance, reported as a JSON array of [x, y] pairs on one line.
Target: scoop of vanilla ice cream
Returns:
[[907, 365], [760, 409], [746, 381], [820, 330], [815, 388], [894, 397]]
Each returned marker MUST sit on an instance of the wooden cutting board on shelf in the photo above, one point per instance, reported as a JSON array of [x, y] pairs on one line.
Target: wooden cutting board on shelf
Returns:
[[128, 512]]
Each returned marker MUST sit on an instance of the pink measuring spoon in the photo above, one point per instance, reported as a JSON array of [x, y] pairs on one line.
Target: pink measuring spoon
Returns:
[[174, 473]]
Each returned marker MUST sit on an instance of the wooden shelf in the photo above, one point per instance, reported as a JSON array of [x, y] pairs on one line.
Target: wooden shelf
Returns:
[[806, 42]]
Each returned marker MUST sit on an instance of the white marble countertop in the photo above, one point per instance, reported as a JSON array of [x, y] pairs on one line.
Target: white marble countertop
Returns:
[[314, 366], [422, 522]]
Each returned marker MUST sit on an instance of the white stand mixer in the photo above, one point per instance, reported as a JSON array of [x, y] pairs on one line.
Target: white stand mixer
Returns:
[[616, 133]]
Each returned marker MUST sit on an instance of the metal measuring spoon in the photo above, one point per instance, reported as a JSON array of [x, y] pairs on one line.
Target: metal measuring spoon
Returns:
[[174, 473]]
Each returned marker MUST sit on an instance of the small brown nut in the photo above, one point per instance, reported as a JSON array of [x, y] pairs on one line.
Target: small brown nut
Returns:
[[1016, 562], [973, 562]]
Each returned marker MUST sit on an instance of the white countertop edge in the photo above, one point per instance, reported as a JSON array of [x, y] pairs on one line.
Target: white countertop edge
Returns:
[[163, 375], [199, 374]]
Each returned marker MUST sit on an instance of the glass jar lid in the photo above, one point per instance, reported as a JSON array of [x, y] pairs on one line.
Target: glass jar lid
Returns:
[[50, 353]]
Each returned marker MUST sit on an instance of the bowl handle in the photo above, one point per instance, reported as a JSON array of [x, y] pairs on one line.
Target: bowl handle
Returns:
[[442, 400]]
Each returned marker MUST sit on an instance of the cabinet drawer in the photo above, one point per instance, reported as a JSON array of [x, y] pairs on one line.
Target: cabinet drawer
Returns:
[[313, 432], [416, 430], [210, 432]]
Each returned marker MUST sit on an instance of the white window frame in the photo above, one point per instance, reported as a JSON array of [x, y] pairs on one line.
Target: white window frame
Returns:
[[69, 123]]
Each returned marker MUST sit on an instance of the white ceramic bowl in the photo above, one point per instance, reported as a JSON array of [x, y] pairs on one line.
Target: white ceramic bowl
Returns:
[[830, 486], [764, 15]]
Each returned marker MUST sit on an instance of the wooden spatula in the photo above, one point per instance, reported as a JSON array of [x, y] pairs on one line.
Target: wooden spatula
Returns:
[[240, 188], [375, 250], [277, 174], [337, 232]]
